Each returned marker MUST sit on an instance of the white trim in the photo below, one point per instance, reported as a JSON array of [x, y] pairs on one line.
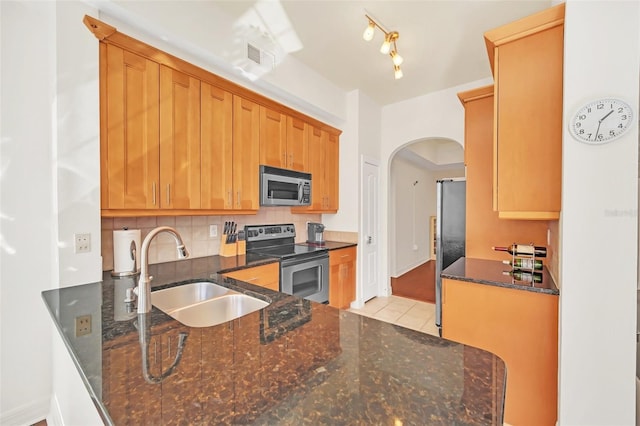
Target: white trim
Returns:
[[27, 414]]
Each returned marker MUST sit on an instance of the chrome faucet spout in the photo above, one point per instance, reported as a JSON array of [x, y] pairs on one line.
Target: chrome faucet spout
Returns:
[[144, 284]]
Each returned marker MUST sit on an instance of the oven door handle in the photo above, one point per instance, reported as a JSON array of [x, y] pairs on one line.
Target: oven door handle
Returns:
[[296, 260]]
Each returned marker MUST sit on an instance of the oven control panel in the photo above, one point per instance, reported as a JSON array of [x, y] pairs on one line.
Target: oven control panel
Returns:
[[269, 232]]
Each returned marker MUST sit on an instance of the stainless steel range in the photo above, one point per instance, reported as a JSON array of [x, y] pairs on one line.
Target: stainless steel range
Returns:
[[304, 269]]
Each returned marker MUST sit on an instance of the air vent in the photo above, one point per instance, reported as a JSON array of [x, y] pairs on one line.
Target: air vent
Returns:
[[261, 57], [253, 53]]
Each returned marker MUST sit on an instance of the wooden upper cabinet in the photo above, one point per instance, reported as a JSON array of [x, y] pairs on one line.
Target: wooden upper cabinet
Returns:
[[246, 154], [323, 165], [129, 143], [331, 174], [297, 144], [527, 62], [216, 112], [484, 229], [273, 138], [179, 140], [176, 139], [283, 140]]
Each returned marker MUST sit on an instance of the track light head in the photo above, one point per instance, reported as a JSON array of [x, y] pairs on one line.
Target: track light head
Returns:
[[388, 46]]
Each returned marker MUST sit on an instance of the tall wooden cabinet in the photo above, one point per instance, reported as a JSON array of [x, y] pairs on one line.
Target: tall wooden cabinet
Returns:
[[324, 169], [179, 140], [484, 229], [129, 149], [246, 154], [526, 57], [216, 171]]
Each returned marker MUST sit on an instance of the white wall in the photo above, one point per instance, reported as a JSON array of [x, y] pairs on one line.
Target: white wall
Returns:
[[435, 115], [204, 35], [599, 222], [411, 206], [27, 215]]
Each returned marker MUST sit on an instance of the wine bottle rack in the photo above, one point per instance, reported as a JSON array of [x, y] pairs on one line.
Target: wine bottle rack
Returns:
[[532, 261]]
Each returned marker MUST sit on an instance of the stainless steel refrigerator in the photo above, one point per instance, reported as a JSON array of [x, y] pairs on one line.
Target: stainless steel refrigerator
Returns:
[[450, 231]]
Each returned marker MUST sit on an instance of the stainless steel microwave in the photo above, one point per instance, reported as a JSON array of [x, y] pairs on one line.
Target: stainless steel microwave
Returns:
[[282, 187]]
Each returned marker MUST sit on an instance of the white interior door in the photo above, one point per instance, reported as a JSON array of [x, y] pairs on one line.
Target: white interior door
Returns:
[[369, 241]]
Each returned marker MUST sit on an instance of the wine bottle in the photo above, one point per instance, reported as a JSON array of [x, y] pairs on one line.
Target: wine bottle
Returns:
[[524, 263], [526, 276], [524, 250]]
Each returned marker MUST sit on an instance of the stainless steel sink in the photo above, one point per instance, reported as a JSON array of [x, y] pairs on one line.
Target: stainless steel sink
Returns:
[[204, 304]]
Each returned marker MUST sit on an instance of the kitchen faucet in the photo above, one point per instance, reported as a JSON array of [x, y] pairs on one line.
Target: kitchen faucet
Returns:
[[144, 284]]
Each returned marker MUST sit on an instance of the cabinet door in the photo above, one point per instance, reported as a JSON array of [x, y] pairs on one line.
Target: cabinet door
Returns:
[[246, 154], [273, 138], [297, 144], [267, 276], [316, 167], [331, 174], [179, 140], [528, 61], [130, 151], [216, 148], [342, 277]]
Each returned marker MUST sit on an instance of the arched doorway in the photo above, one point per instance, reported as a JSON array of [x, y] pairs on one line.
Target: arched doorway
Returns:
[[413, 171]]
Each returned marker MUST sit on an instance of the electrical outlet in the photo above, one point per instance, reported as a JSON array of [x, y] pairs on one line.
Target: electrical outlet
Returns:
[[82, 243], [213, 230], [83, 325]]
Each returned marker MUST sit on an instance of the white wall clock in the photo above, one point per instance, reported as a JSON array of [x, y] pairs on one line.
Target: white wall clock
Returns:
[[601, 121]]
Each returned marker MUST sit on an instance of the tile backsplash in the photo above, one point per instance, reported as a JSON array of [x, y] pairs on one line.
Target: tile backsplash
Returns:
[[194, 231]]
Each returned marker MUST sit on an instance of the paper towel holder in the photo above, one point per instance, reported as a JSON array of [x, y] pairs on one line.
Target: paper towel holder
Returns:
[[133, 252]]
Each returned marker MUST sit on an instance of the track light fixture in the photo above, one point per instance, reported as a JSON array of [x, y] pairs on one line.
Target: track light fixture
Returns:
[[388, 47]]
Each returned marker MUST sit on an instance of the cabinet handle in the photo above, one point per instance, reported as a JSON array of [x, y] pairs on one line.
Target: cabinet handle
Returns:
[[169, 348], [168, 194], [239, 199], [155, 352], [230, 203], [284, 159], [153, 193], [291, 160]]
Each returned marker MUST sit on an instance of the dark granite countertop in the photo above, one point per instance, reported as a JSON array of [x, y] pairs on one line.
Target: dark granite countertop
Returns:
[[293, 362], [491, 272], [335, 245]]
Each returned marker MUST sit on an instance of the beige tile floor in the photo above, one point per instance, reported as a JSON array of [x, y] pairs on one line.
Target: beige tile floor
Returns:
[[405, 312]]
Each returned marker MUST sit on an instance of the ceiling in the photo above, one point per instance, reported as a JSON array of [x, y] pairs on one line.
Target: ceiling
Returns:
[[441, 41]]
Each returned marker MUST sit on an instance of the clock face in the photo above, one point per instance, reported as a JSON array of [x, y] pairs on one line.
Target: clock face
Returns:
[[601, 121]]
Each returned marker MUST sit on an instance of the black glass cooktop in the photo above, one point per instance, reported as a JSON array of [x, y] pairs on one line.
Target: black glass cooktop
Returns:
[[289, 250]]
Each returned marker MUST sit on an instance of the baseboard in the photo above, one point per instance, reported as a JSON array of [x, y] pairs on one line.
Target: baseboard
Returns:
[[28, 414], [55, 416]]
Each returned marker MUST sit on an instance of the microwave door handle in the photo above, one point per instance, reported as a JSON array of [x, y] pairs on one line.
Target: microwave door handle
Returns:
[[300, 191]]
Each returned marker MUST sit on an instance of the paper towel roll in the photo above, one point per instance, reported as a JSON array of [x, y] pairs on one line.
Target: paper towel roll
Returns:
[[126, 252]]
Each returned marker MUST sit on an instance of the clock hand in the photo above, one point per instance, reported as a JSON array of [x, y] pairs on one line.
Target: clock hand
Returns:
[[595, 137], [608, 114]]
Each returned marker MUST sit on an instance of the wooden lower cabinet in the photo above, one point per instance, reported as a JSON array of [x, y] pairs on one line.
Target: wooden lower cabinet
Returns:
[[519, 326], [342, 277], [267, 276]]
